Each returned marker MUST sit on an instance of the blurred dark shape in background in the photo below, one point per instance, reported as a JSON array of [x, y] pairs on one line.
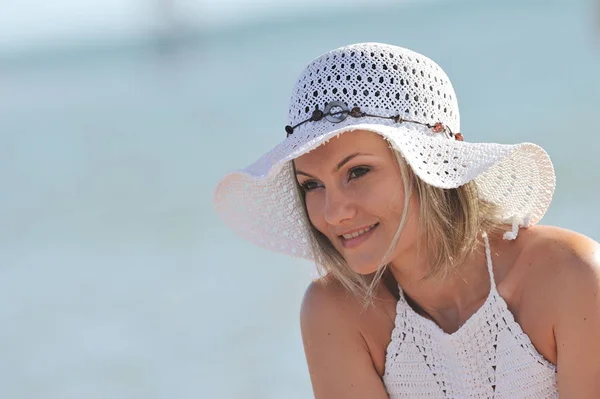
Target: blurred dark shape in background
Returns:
[[171, 26]]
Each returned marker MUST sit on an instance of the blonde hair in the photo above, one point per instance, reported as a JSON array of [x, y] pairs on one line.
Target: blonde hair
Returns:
[[452, 221]]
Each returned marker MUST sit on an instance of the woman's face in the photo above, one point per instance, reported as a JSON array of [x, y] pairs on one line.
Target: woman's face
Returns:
[[355, 197]]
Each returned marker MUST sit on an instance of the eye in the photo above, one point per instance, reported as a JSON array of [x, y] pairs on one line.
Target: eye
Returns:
[[309, 185], [357, 172]]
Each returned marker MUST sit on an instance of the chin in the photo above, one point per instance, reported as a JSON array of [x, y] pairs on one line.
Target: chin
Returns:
[[365, 267]]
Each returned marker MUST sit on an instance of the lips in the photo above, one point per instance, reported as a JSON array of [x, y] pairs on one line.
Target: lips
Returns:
[[357, 237], [357, 233]]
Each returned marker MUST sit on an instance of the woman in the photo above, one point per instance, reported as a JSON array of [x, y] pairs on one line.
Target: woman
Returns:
[[437, 282]]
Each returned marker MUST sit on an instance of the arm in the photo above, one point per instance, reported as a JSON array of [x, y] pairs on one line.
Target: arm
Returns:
[[577, 325], [339, 361]]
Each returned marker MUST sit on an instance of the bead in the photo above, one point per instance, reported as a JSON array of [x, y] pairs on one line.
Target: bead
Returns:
[[317, 115], [458, 136], [355, 112], [438, 127], [398, 119], [289, 130]]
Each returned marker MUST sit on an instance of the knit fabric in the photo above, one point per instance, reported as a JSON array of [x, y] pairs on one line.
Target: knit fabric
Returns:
[[490, 356], [392, 86]]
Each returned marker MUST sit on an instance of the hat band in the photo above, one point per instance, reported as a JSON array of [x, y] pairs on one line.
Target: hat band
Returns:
[[356, 112]]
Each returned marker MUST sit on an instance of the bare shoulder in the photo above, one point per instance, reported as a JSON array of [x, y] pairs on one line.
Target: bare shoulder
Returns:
[[340, 338], [561, 275], [564, 276], [328, 304], [328, 309], [326, 297], [554, 256], [542, 272]]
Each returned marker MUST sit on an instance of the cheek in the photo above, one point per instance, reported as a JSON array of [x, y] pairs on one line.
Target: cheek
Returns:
[[314, 209], [387, 202]]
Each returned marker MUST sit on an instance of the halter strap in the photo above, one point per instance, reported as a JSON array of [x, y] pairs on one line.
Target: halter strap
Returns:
[[488, 257]]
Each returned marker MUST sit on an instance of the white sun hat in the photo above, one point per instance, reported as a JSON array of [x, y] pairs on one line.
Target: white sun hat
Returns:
[[406, 98]]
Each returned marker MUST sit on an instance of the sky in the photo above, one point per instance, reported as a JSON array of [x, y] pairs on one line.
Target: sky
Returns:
[[38, 23]]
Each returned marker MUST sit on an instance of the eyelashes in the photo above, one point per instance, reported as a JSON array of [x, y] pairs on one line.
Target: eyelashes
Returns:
[[358, 171], [309, 185], [354, 173]]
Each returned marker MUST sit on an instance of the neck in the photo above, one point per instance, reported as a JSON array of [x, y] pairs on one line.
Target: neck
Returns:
[[448, 300]]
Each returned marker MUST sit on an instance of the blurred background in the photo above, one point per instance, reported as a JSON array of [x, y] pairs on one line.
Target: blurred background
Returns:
[[118, 117]]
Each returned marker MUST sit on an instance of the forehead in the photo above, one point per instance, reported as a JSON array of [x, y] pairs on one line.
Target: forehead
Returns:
[[359, 141]]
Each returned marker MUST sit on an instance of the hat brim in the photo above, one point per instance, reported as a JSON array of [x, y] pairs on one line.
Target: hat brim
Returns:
[[261, 203]]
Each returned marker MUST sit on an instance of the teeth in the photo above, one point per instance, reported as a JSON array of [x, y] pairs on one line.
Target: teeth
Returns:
[[357, 233]]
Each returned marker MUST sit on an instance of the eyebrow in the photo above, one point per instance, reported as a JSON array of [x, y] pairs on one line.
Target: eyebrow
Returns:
[[338, 166]]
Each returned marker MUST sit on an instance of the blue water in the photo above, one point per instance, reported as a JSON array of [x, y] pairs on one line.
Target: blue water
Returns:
[[116, 278]]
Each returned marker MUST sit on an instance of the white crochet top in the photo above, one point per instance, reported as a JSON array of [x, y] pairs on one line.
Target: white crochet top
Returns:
[[488, 357]]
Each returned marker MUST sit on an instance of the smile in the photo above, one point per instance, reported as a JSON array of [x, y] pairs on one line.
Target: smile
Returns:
[[353, 239], [357, 233]]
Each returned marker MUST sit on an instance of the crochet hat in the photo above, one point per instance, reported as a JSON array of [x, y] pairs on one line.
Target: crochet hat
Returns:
[[407, 99]]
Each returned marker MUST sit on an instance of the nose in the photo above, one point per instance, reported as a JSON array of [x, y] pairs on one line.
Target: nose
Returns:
[[338, 207]]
